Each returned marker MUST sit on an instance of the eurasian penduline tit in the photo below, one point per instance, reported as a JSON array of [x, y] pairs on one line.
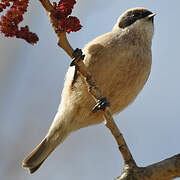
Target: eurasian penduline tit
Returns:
[[120, 61]]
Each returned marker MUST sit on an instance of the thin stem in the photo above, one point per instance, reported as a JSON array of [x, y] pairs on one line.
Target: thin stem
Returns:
[[111, 125]]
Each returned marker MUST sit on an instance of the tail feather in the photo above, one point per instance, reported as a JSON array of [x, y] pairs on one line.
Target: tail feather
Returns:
[[32, 170], [56, 135], [34, 160]]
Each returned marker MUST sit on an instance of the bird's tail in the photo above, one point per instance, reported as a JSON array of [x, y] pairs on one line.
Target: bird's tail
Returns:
[[34, 160], [56, 135]]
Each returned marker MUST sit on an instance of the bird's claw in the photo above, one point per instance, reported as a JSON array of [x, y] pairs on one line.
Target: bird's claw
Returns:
[[101, 105], [78, 55]]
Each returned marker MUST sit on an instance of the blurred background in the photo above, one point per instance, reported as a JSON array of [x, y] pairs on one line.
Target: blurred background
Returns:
[[31, 81]]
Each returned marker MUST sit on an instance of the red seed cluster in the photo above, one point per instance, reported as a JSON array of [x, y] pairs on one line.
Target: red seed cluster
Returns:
[[63, 10], [9, 22], [28, 36]]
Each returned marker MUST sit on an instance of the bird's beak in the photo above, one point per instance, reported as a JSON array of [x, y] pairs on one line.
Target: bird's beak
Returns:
[[151, 16]]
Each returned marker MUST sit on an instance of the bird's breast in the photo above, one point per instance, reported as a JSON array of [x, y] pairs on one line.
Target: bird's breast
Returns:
[[121, 77]]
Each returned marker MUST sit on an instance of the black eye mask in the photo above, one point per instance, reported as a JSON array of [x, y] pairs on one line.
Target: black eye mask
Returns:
[[133, 16]]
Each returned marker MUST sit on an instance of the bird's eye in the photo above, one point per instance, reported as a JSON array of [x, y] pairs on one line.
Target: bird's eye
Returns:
[[136, 14]]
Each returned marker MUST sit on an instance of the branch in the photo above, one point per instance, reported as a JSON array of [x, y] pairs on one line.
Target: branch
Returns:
[[167, 169], [164, 170]]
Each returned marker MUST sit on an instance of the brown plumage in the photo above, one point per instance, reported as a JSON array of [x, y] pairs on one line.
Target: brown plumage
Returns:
[[120, 61]]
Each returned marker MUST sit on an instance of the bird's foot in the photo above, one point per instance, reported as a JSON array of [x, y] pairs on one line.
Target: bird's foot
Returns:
[[78, 55], [101, 105]]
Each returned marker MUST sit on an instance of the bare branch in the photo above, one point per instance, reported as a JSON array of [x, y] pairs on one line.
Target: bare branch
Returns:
[[167, 169]]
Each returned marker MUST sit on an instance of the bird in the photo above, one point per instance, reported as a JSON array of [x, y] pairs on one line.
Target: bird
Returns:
[[120, 61]]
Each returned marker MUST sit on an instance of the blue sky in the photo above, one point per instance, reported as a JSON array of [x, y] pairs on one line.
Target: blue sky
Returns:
[[31, 81]]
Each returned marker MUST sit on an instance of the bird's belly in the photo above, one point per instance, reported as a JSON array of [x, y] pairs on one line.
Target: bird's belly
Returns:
[[124, 93], [121, 84]]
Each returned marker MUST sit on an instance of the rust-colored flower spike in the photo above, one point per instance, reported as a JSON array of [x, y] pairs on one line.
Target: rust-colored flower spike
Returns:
[[66, 6], [10, 21], [65, 22]]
